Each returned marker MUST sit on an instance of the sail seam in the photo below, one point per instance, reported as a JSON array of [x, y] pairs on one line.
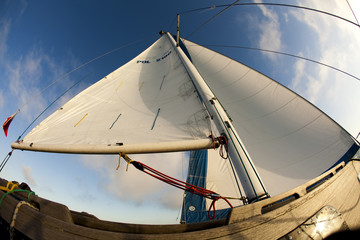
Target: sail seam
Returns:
[[269, 113], [157, 114], [292, 132]]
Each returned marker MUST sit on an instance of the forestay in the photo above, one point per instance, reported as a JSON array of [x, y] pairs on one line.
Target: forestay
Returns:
[[290, 140], [147, 105]]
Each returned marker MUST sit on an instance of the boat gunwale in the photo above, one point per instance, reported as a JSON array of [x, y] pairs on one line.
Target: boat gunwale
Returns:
[[240, 220], [258, 208]]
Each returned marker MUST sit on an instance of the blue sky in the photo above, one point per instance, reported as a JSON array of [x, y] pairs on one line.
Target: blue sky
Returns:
[[42, 40]]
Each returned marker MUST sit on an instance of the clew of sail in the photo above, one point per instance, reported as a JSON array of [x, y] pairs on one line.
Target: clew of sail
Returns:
[[289, 139], [147, 105]]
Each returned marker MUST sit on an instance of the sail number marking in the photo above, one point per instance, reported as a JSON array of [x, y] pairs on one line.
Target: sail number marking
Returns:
[[157, 60], [163, 57], [143, 61]]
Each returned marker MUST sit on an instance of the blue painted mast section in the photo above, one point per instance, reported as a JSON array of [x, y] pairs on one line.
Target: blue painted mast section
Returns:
[[194, 206]]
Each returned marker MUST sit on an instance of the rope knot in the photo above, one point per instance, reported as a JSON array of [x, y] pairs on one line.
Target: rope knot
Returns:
[[214, 196], [223, 146], [222, 139]]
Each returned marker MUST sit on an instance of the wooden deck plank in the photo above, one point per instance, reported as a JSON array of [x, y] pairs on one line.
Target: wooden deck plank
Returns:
[[341, 191]]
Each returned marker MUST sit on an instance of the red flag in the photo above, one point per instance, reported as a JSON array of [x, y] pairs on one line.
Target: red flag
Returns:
[[7, 122]]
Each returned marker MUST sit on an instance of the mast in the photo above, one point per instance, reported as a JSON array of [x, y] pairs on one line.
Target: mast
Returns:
[[249, 177], [177, 30]]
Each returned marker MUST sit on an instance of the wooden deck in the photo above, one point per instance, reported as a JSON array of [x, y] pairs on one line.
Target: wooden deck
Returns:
[[338, 190]]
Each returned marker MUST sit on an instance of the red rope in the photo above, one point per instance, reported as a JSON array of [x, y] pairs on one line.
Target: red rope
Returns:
[[212, 205], [182, 185], [223, 145]]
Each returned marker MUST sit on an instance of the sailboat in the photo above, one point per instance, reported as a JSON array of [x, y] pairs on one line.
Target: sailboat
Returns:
[[264, 162]]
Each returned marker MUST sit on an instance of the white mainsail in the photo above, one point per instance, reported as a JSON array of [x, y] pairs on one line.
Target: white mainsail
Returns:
[[151, 105], [290, 140], [147, 105], [222, 179]]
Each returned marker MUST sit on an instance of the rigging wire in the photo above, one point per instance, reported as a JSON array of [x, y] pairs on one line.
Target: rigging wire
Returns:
[[77, 68], [51, 105], [7, 157], [172, 23], [281, 5], [286, 54], [275, 4], [352, 11], [65, 75], [202, 25]]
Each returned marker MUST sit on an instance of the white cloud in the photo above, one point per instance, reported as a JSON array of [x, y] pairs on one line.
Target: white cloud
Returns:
[[137, 187], [23, 5], [23, 77], [299, 67], [270, 36], [336, 43], [28, 75], [4, 32], [2, 101], [32, 65], [83, 192], [28, 176], [5, 24]]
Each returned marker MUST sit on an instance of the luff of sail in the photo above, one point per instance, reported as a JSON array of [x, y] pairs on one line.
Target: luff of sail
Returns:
[[289, 139], [147, 105], [250, 180]]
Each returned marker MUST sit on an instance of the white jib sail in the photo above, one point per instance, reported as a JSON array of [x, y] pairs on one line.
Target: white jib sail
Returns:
[[222, 179], [147, 105], [290, 140]]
